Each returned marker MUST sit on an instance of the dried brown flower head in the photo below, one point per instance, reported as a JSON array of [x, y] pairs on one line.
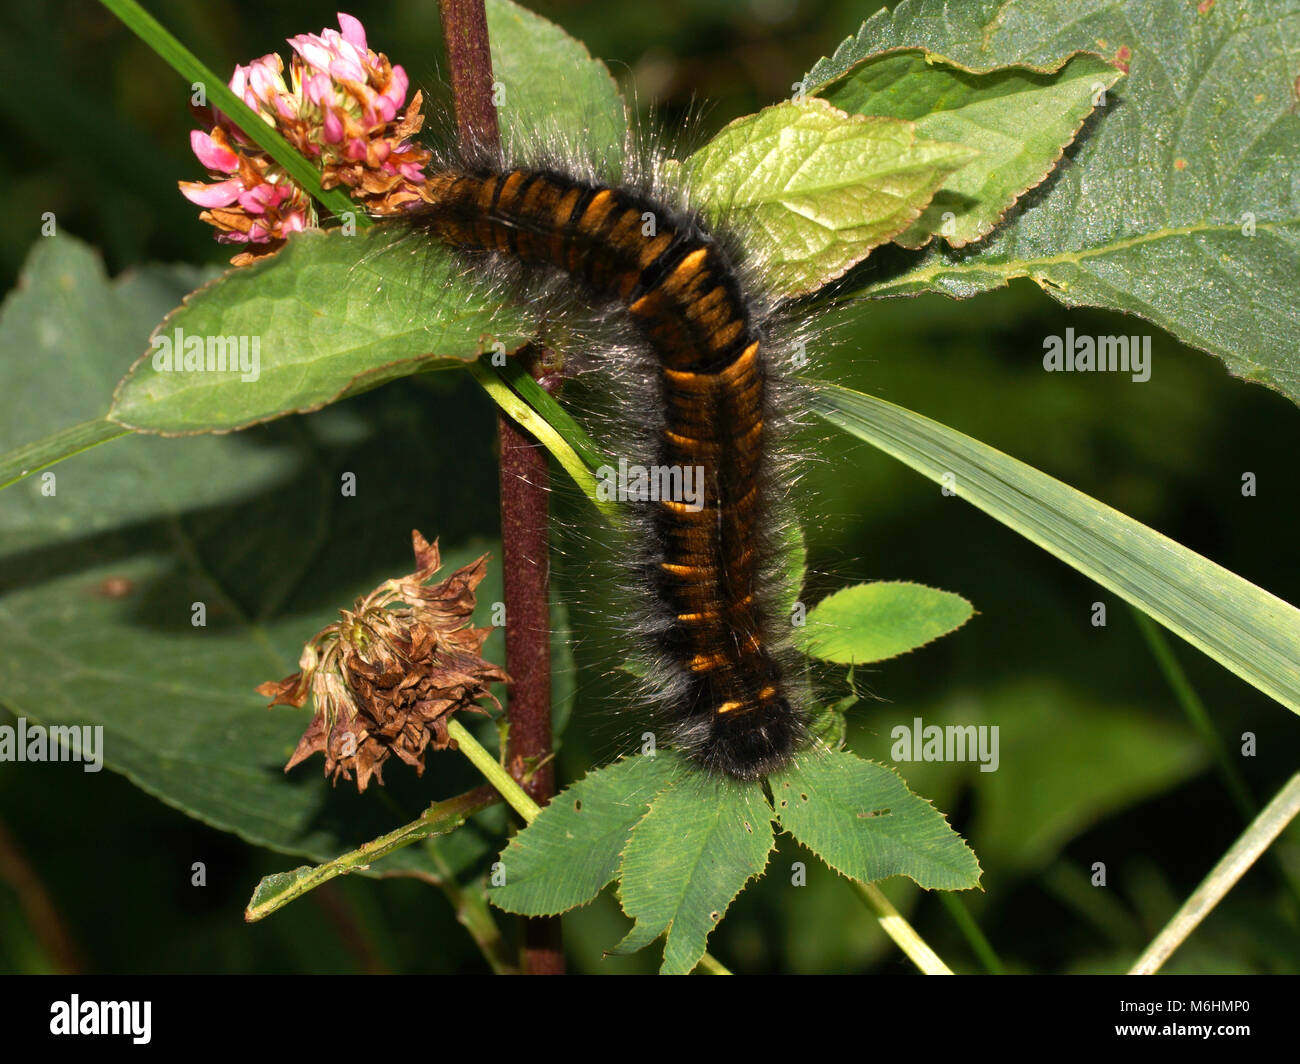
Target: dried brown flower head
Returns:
[[389, 674]]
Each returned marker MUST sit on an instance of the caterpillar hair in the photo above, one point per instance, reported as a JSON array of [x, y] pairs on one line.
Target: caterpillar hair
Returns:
[[701, 349]]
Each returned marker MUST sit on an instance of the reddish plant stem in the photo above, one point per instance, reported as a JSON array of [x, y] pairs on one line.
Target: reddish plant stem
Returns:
[[524, 504], [469, 59], [526, 561]]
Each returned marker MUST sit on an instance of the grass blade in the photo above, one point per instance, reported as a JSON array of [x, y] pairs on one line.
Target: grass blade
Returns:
[[1244, 852], [1247, 630], [552, 427]]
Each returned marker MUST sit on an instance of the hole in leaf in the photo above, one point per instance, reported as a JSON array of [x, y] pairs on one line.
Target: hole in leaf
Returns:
[[577, 805], [874, 812]]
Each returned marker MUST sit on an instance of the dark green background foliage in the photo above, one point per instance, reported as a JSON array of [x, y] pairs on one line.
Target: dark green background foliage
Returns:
[[1097, 761]]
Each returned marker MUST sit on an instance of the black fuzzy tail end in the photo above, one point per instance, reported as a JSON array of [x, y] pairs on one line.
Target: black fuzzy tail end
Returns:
[[750, 745]]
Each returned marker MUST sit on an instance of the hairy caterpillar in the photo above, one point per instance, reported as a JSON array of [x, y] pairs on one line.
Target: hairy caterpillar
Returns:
[[706, 567]]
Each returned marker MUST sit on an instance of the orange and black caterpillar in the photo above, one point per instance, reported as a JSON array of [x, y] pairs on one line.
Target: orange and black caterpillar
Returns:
[[705, 564]]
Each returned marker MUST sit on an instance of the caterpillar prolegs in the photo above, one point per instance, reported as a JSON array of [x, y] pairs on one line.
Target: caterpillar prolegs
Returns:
[[705, 562]]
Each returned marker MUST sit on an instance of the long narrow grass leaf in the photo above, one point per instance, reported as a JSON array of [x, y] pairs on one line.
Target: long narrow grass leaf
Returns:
[[1247, 630]]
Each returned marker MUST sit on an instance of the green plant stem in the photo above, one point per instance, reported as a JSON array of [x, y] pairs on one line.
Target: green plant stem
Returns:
[[518, 800], [33, 457], [1199, 718], [472, 913], [506, 786], [553, 414], [1195, 711], [1071, 886], [493, 381], [1244, 852], [710, 965], [979, 943], [276, 891], [188, 66], [896, 927], [471, 906]]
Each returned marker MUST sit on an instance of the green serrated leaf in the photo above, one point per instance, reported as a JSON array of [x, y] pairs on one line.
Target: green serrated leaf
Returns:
[[551, 87], [1019, 118], [702, 841], [568, 854], [813, 190], [1179, 206], [860, 818], [331, 315], [1047, 788], [872, 622]]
